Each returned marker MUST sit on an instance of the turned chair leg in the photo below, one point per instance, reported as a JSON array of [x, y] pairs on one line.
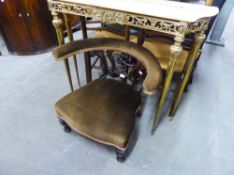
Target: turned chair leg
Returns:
[[121, 155], [66, 128]]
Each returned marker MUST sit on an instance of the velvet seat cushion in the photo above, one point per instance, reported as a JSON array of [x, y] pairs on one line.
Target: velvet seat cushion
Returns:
[[102, 110]]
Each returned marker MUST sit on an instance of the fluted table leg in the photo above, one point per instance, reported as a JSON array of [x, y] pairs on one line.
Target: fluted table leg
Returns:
[[70, 37], [199, 40], [57, 22], [175, 50], [88, 68]]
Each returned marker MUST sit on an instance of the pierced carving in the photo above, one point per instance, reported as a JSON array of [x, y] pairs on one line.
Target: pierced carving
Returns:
[[137, 20], [115, 64], [124, 18], [200, 25], [157, 24]]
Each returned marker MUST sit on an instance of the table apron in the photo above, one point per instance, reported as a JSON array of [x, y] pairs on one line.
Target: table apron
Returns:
[[125, 18]]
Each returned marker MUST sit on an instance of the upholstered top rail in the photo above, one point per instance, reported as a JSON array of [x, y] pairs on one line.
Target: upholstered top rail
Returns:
[[154, 74]]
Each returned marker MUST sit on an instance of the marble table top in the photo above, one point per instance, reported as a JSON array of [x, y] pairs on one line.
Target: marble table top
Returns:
[[178, 11]]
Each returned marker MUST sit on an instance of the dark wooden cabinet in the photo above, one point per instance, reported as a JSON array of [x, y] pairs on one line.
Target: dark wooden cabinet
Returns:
[[26, 26]]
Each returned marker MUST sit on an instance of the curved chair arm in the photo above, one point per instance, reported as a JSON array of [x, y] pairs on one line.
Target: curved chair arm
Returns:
[[154, 73]]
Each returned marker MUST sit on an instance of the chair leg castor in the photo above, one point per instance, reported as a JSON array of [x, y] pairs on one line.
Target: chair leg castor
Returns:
[[66, 128], [121, 155]]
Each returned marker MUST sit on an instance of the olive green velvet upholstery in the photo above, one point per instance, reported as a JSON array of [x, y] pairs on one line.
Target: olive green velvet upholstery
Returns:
[[103, 110], [154, 73]]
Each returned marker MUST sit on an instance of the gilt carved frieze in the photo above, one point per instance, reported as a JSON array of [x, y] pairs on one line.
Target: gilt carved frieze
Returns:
[[125, 18], [200, 25]]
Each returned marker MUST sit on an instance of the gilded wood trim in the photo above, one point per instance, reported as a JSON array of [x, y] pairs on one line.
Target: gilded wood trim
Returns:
[[185, 76], [125, 18], [175, 51]]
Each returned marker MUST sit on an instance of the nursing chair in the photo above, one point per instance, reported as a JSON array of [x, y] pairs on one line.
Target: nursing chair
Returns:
[[104, 109]]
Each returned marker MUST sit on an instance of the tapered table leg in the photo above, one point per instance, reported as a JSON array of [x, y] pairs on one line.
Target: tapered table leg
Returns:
[[70, 37], [175, 50], [199, 40], [86, 55], [57, 22]]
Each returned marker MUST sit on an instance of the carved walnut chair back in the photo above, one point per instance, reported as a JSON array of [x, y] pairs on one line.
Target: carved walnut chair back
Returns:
[[87, 24], [113, 31]]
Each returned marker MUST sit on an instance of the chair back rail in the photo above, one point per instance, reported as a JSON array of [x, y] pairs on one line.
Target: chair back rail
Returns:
[[154, 75]]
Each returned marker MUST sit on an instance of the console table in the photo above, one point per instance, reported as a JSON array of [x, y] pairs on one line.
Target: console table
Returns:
[[175, 18]]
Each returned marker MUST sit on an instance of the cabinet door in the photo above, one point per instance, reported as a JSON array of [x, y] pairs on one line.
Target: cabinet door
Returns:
[[14, 29], [39, 22]]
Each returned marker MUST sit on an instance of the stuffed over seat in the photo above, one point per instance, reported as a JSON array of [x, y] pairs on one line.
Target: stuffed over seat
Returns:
[[104, 110]]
